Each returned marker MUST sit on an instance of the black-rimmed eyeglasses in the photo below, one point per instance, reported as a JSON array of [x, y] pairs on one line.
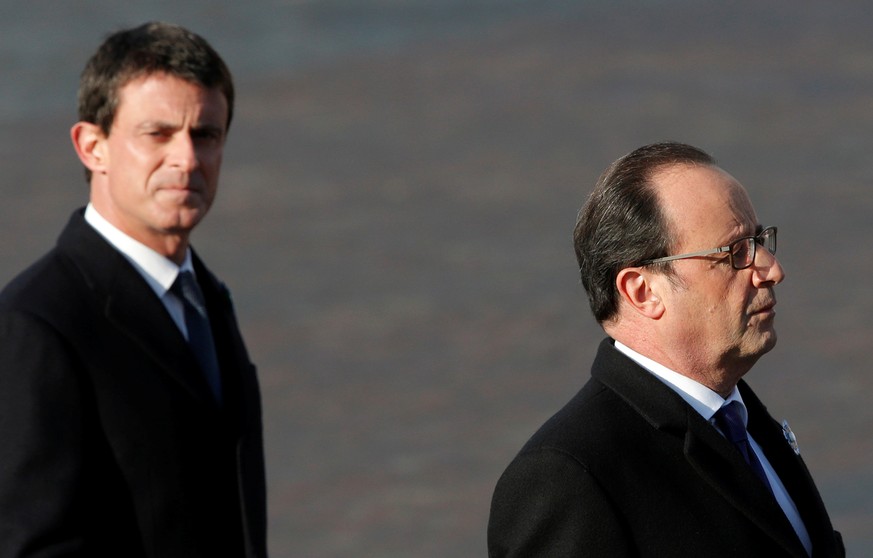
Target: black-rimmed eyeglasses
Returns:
[[741, 250]]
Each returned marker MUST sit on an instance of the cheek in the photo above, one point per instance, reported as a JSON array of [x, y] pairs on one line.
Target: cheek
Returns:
[[210, 157]]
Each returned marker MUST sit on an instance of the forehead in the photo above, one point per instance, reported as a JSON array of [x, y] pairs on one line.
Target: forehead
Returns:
[[704, 201], [161, 92]]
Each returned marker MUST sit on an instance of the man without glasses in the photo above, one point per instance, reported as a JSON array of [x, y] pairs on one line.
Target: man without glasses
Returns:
[[131, 420]]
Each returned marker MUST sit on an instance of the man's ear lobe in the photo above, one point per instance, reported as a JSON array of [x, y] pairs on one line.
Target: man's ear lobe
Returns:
[[90, 145], [638, 290]]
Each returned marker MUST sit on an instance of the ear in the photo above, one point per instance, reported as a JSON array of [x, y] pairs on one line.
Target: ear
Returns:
[[90, 145], [639, 291]]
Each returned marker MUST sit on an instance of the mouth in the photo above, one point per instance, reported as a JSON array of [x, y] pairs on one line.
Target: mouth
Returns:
[[182, 189], [764, 309], [179, 181], [180, 186]]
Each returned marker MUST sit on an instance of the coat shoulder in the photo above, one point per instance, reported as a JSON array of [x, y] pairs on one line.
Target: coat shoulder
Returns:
[[49, 289]]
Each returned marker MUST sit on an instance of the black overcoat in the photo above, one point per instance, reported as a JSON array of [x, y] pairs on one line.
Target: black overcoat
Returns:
[[628, 468], [110, 441]]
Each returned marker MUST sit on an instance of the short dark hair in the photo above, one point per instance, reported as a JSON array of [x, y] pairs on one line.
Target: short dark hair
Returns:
[[622, 223], [153, 47]]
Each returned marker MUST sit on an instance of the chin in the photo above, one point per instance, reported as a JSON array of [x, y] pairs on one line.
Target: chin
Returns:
[[187, 218], [750, 353], [768, 343]]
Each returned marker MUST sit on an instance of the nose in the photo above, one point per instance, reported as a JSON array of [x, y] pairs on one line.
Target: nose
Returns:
[[766, 269], [183, 153]]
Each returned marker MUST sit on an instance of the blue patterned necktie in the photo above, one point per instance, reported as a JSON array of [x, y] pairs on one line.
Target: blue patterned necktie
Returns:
[[199, 333], [731, 424]]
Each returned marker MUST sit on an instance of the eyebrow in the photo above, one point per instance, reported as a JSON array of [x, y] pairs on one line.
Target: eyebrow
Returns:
[[154, 124], [758, 229], [164, 125], [746, 232]]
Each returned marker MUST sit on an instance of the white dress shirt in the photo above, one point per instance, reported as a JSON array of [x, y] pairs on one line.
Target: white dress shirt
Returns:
[[706, 402], [158, 271]]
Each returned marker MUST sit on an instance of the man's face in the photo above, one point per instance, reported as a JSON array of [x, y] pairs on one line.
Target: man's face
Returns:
[[161, 159], [725, 314]]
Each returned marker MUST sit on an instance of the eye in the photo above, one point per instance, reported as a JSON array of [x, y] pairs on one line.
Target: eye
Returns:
[[159, 134], [741, 249], [207, 134]]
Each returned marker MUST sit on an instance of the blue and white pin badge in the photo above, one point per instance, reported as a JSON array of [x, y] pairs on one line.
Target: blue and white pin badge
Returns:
[[790, 437]]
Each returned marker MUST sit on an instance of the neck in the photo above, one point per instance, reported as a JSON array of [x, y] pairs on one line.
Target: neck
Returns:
[[718, 374]]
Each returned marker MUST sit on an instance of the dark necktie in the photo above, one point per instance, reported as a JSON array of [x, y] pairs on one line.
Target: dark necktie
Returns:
[[731, 424], [199, 333]]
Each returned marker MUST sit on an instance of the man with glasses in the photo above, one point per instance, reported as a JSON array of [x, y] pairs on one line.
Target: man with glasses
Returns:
[[666, 451]]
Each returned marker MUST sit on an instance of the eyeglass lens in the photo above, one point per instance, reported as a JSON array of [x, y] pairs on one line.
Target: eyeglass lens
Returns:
[[743, 250]]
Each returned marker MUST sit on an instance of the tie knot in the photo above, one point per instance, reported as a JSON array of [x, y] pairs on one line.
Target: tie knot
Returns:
[[185, 287], [730, 421]]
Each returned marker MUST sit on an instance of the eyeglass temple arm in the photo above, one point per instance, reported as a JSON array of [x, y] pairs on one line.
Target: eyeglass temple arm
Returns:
[[691, 255]]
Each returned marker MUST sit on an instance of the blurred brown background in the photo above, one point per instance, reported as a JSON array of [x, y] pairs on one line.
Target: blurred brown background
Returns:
[[395, 220]]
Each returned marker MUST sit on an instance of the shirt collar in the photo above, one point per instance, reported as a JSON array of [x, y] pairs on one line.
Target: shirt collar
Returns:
[[702, 399], [158, 271]]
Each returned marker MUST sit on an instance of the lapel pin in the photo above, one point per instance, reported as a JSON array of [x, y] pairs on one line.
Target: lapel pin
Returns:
[[790, 437]]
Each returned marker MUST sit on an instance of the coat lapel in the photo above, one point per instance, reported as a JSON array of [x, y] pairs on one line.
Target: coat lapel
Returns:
[[791, 469], [232, 355], [718, 463], [137, 313]]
